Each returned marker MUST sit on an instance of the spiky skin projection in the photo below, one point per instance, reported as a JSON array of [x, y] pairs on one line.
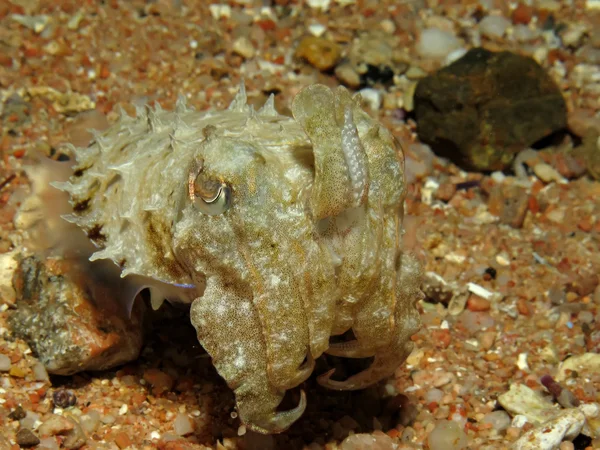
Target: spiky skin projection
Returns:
[[281, 232]]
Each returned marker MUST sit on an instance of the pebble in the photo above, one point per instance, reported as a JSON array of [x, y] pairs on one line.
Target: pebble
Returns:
[[587, 363], [48, 443], [90, 420], [8, 264], [476, 303], [54, 425], [500, 420], [550, 434], [26, 438], [436, 44], [317, 29], [447, 435], [159, 380], [5, 363], [319, 52], [375, 441], [436, 378], [183, 425], [523, 400], [494, 27], [319, 4], [347, 75], [547, 173], [243, 46], [372, 97], [39, 372], [434, 395], [522, 33]]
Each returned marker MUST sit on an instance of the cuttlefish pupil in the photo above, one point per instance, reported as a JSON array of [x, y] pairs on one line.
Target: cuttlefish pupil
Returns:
[[212, 197]]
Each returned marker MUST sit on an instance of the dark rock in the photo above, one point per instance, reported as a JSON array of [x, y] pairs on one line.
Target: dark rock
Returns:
[[26, 438], [486, 107], [17, 414], [509, 202], [69, 316]]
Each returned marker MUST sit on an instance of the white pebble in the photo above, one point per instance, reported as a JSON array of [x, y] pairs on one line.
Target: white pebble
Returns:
[[494, 26], [90, 420], [183, 425], [47, 443], [437, 44], [434, 395], [547, 173], [500, 420], [316, 29], [522, 33], [243, 47], [372, 97], [219, 11], [39, 372], [319, 4], [447, 435], [5, 363]]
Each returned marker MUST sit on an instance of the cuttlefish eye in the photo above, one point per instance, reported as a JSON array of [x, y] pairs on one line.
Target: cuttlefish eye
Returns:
[[211, 196]]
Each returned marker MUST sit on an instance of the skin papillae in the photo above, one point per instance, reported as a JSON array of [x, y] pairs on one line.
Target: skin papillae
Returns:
[[281, 232]]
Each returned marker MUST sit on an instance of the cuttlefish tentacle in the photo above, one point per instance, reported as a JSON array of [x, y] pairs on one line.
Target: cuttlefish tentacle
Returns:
[[350, 349], [341, 167], [277, 422]]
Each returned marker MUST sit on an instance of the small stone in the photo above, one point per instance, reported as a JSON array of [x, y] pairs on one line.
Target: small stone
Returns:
[[17, 414], [445, 191], [585, 365], [476, 303], [447, 435], [548, 436], [415, 73], [436, 44], [372, 97], [35, 23], [90, 420], [522, 33], [547, 173], [437, 378], [522, 400], [16, 371], [319, 52], [122, 440], [39, 372], [522, 14], [373, 441], [486, 340], [183, 425], [500, 420], [509, 202], [74, 438], [5, 363], [26, 438], [317, 29], [494, 27], [54, 425], [160, 381], [319, 4], [243, 46], [348, 76]]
